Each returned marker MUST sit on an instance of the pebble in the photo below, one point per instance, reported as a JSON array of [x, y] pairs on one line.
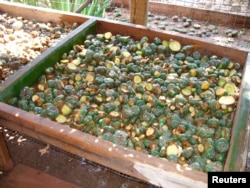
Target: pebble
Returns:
[[162, 17], [197, 26], [22, 40], [150, 19], [34, 34], [161, 26], [17, 25], [215, 31], [175, 18], [189, 20], [211, 27], [208, 34], [184, 18], [186, 24]]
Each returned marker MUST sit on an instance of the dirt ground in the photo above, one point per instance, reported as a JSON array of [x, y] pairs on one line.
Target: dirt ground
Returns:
[[53, 161], [222, 35]]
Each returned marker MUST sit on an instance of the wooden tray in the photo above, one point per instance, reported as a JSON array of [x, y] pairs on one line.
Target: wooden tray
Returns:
[[145, 167]]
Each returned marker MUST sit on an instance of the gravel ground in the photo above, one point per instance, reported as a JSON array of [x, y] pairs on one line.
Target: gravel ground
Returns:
[[222, 35], [22, 40]]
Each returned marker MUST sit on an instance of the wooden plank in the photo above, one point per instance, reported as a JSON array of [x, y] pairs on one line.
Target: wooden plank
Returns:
[[40, 14], [240, 133], [139, 12], [6, 163], [145, 167], [151, 169], [23, 176]]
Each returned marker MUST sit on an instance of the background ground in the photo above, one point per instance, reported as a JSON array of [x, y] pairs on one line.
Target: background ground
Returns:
[[223, 35], [84, 173]]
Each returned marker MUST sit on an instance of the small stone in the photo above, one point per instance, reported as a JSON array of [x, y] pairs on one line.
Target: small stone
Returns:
[[57, 28], [163, 17], [57, 34], [182, 30], [199, 34], [197, 26], [157, 18], [175, 18], [191, 33], [17, 25], [211, 27], [204, 31], [74, 25], [215, 31], [208, 34], [189, 20], [228, 31], [234, 33], [184, 18], [162, 26], [12, 37], [230, 39], [150, 14], [9, 31], [192, 30], [34, 34], [150, 19], [2, 41], [186, 24]]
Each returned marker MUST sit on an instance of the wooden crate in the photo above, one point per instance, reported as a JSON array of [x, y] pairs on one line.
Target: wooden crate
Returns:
[[145, 167]]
